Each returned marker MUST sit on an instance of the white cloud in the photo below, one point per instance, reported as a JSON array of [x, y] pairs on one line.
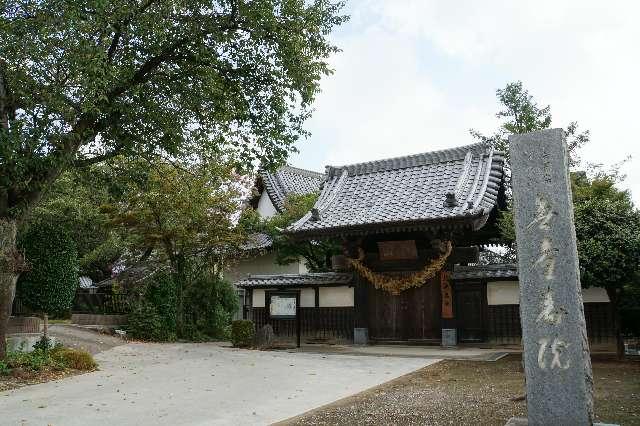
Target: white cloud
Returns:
[[415, 75]]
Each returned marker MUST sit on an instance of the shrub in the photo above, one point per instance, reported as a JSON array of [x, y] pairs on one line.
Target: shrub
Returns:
[[209, 304], [153, 316], [51, 283], [33, 361], [4, 368], [242, 333], [76, 359], [43, 344]]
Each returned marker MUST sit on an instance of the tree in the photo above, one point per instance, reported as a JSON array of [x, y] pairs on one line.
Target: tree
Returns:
[[178, 214], [74, 203], [608, 234], [51, 282], [520, 113], [316, 253], [82, 82]]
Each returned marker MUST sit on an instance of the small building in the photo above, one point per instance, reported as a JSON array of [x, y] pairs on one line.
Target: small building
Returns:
[[272, 190], [411, 229]]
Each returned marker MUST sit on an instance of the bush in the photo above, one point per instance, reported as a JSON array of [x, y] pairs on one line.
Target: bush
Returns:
[[56, 358], [76, 359], [33, 361], [4, 368], [153, 316], [209, 304], [242, 333], [51, 283]]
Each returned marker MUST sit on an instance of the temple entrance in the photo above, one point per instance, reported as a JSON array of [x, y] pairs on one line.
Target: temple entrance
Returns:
[[413, 315]]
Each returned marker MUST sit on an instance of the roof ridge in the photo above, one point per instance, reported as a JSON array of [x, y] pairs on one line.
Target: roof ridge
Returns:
[[301, 171], [412, 160]]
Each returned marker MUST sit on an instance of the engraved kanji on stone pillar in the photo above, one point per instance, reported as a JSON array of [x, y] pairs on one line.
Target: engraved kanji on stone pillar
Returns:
[[556, 353]]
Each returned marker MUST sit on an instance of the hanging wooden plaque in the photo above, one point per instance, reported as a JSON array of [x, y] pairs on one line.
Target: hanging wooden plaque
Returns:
[[398, 250]]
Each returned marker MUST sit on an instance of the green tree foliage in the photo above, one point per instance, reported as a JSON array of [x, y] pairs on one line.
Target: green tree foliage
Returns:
[[180, 215], [86, 81], [520, 113], [153, 316], [50, 284], [608, 234], [74, 204], [178, 211], [209, 300], [316, 254]]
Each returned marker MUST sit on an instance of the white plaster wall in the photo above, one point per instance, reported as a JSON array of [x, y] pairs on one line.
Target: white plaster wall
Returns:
[[503, 293], [507, 293], [265, 206], [335, 296], [307, 298], [260, 265], [594, 295], [258, 299]]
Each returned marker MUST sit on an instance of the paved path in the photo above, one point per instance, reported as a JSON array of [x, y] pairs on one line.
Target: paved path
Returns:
[[198, 384], [77, 337]]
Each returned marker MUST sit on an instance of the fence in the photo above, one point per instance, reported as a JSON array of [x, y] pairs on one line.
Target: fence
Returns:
[[100, 303], [504, 323], [315, 323]]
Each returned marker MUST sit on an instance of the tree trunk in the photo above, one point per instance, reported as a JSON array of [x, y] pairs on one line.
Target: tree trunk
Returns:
[[10, 265], [45, 326]]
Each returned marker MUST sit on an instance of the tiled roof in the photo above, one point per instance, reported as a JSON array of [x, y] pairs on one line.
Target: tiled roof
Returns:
[[440, 188], [295, 280], [290, 180], [257, 241], [503, 271]]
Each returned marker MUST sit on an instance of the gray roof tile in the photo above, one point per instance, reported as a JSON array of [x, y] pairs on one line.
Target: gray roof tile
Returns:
[[257, 241], [296, 280], [502, 271], [290, 180], [459, 184]]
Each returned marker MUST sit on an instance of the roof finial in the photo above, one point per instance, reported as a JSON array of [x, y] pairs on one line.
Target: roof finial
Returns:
[[315, 214], [450, 200]]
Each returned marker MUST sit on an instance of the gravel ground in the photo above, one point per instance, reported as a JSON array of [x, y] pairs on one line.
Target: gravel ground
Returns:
[[472, 393]]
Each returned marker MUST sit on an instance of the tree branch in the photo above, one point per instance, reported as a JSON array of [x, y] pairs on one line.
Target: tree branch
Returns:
[[7, 111]]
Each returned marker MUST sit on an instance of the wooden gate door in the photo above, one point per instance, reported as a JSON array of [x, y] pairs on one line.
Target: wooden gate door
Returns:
[[470, 313], [386, 319], [422, 315], [414, 314]]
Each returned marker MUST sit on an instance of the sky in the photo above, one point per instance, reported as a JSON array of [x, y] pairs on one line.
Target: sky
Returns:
[[416, 75]]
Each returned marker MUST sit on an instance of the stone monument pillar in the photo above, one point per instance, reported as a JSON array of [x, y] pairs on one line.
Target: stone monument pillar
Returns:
[[559, 381]]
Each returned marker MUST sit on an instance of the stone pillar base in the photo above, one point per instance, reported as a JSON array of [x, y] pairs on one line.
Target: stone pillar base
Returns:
[[449, 337], [360, 336], [522, 421]]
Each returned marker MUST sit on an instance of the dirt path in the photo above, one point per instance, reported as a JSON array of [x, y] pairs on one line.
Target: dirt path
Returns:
[[471, 393], [82, 338]]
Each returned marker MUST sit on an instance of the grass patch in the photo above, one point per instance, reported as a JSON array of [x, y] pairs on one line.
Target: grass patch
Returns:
[[41, 365]]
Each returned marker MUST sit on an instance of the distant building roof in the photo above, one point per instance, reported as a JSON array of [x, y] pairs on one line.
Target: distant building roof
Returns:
[[257, 241], [85, 282], [295, 280], [458, 186], [477, 272], [290, 180]]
